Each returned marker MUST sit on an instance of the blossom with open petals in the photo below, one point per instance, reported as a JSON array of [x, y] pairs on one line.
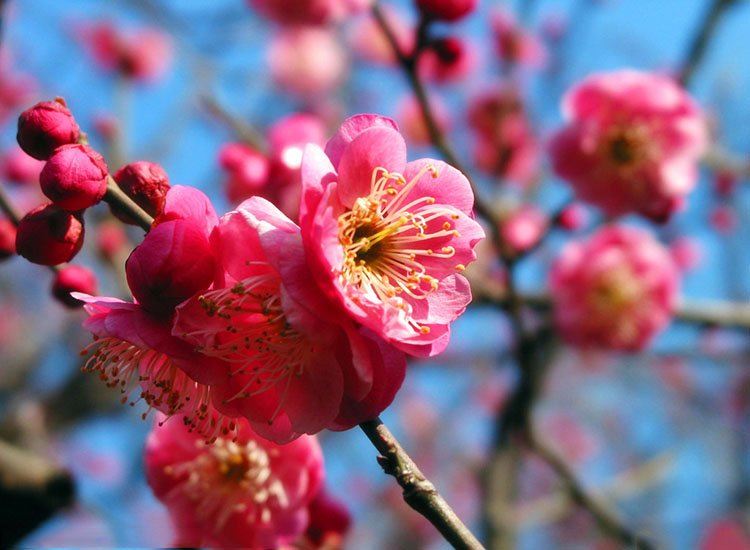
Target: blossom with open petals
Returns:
[[240, 493], [387, 239], [632, 143], [293, 368]]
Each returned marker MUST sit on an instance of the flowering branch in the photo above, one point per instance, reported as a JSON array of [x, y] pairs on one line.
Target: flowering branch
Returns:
[[419, 492], [702, 38], [7, 206]]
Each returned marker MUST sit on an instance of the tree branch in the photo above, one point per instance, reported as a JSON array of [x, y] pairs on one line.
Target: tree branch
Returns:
[[702, 38], [419, 492], [120, 201]]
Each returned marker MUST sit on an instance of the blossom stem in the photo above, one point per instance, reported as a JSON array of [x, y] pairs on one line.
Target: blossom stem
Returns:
[[239, 127], [118, 199], [418, 491], [702, 38]]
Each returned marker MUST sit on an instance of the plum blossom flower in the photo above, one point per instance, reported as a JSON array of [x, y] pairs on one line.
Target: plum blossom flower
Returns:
[[516, 45], [241, 493], [311, 12], [133, 346], [289, 370], [615, 290], [631, 144], [387, 239]]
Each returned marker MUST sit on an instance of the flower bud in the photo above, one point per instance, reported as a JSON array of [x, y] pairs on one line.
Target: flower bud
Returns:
[[46, 126], [144, 182], [7, 239], [111, 239], [446, 10], [75, 177], [49, 236], [572, 217], [73, 278]]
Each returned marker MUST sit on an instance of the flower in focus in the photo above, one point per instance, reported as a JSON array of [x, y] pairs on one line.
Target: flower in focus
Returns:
[[49, 236], [615, 290], [307, 61], [134, 347], [240, 493], [290, 371], [385, 238], [632, 143]]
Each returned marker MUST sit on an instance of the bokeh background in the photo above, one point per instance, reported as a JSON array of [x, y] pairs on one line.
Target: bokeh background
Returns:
[[664, 434]]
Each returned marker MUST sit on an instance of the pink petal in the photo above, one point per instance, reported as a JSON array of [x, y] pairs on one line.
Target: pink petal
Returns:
[[350, 129], [450, 187]]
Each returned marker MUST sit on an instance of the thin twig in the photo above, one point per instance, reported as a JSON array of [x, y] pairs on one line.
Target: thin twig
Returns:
[[239, 127], [120, 201], [607, 518], [702, 38], [419, 492]]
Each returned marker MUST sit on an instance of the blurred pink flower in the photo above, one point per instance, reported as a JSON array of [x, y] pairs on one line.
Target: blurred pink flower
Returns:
[[307, 61], [448, 59], [573, 217], [614, 290], [386, 239], [330, 521], [241, 493], [686, 252], [724, 534], [370, 43], [523, 227], [141, 54], [247, 171], [723, 219], [289, 371], [412, 123], [515, 45], [311, 12], [632, 143], [18, 167]]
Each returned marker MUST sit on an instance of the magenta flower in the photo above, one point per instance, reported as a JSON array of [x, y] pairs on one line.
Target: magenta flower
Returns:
[[387, 239], [134, 347], [632, 143], [242, 493], [615, 290], [290, 371], [314, 12]]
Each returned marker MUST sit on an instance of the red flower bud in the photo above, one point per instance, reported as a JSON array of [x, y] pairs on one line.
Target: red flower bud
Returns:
[[49, 236], [446, 10], [46, 126], [75, 177], [73, 278], [7, 239], [144, 182]]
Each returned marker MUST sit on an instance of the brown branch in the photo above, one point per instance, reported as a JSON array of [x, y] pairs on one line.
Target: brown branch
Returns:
[[419, 492], [6, 205], [240, 128], [606, 518], [699, 45]]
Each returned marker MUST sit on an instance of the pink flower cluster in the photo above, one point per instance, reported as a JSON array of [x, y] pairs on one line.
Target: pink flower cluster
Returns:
[[615, 290], [632, 143], [294, 329]]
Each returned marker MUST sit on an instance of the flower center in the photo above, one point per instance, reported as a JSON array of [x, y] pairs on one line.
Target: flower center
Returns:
[[164, 386], [255, 338], [387, 241], [628, 147], [226, 478], [616, 292]]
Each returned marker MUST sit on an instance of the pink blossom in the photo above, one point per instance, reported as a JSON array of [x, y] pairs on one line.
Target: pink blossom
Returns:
[[134, 346], [446, 10], [7, 239], [111, 239], [241, 493], [614, 290], [411, 120], [247, 171], [631, 144], [723, 534], [307, 61], [311, 12], [329, 522], [515, 45], [370, 42], [523, 227], [386, 239], [573, 217], [73, 278], [18, 167], [723, 219], [293, 367], [448, 60], [141, 54], [686, 253]]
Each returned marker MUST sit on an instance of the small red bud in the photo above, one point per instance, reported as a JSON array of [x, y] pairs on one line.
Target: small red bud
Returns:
[[7, 239], [73, 278], [46, 126], [144, 182], [49, 236], [446, 10], [572, 217], [75, 177]]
